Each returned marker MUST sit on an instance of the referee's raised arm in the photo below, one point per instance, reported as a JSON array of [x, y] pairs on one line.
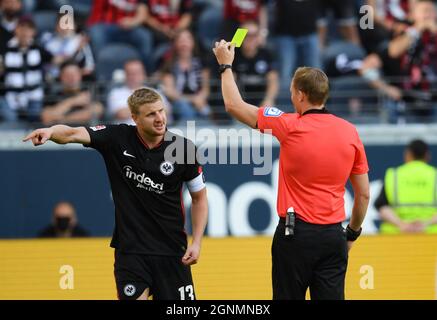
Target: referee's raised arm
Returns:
[[234, 103], [60, 134]]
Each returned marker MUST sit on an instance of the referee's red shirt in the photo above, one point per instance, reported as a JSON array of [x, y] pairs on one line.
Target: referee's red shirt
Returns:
[[319, 152]]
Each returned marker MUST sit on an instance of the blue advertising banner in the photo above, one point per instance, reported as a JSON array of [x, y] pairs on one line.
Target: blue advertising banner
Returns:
[[241, 203]]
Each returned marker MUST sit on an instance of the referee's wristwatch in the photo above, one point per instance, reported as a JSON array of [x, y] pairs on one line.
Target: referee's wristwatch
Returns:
[[223, 67], [352, 235]]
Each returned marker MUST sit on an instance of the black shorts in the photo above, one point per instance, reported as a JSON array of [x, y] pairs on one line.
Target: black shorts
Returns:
[[315, 257], [166, 277]]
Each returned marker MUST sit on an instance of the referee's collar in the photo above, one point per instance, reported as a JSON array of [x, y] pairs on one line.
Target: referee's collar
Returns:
[[323, 110]]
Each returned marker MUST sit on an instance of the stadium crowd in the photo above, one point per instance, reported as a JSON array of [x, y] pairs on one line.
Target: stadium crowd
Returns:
[[382, 63]]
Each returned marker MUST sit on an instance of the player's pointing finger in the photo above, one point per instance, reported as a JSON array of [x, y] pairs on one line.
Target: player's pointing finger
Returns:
[[29, 136]]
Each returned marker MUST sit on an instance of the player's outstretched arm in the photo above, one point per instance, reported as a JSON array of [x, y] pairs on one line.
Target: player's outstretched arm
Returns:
[[60, 134], [234, 103]]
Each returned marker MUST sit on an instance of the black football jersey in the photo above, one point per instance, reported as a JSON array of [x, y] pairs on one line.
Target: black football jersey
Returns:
[[146, 188]]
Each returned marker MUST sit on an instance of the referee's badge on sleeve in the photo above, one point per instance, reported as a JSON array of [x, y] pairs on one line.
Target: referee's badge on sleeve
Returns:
[[272, 112]]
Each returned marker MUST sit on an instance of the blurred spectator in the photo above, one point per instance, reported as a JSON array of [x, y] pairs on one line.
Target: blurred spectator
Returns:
[[382, 73], [237, 12], [72, 103], [392, 14], [352, 96], [390, 17], [342, 59], [166, 18], [10, 12], [64, 223], [65, 44], [297, 42], [417, 51], [23, 63], [255, 70], [136, 78], [422, 31], [186, 80], [346, 17], [412, 59], [120, 21], [407, 202]]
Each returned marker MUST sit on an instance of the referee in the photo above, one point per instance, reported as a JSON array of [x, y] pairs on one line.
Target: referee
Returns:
[[151, 252], [319, 153]]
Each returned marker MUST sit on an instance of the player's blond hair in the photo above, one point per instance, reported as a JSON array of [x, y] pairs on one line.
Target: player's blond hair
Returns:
[[314, 83], [142, 97]]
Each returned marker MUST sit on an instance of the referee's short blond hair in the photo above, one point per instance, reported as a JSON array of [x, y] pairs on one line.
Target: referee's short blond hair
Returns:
[[141, 97], [314, 83]]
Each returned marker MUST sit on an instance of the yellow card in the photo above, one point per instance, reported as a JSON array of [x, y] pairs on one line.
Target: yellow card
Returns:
[[239, 36]]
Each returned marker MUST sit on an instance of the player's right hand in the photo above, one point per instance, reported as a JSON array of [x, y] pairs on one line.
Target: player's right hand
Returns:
[[39, 136]]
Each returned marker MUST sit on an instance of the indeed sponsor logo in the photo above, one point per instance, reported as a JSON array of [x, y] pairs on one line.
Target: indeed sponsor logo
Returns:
[[144, 182]]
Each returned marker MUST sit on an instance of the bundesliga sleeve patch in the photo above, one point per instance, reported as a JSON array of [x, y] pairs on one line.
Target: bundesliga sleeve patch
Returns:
[[272, 112], [97, 128]]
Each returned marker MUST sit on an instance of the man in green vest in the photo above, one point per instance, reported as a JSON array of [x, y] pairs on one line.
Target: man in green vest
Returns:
[[408, 199]]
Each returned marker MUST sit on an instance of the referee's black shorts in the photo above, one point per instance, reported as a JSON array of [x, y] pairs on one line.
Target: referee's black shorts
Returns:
[[315, 257], [166, 277]]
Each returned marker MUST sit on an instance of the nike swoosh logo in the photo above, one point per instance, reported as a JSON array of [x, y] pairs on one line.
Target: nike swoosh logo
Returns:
[[127, 154]]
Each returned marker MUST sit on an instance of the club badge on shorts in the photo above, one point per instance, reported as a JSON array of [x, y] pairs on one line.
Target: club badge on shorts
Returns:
[[129, 290]]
